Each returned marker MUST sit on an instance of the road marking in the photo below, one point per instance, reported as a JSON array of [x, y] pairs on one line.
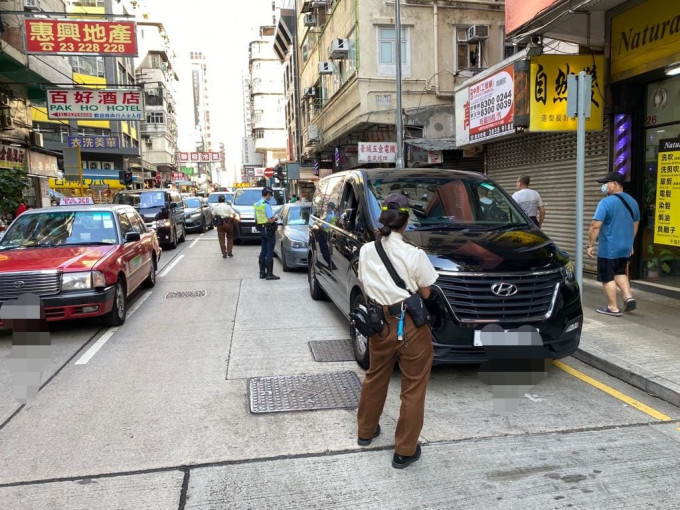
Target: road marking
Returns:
[[170, 266], [194, 243], [611, 391], [110, 332]]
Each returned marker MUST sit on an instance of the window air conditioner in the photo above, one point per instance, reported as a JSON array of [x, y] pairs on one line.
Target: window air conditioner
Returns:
[[6, 121], [310, 20], [32, 5], [107, 165], [310, 91], [313, 133], [478, 32], [94, 165], [339, 48], [326, 68], [35, 139]]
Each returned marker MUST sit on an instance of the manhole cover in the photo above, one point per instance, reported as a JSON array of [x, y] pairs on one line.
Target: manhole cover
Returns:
[[185, 294], [304, 392], [331, 350]]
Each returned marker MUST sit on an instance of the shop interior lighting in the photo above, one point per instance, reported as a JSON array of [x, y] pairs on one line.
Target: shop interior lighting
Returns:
[[673, 69]]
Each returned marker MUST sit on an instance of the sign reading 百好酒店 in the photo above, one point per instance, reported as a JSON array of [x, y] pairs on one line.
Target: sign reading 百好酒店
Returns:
[[75, 37], [667, 221], [377, 152], [548, 91], [95, 104]]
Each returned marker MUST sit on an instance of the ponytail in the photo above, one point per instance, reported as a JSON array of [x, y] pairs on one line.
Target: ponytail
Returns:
[[391, 219]]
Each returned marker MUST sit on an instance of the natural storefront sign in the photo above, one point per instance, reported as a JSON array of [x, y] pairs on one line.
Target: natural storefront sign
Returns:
[[667, 221]]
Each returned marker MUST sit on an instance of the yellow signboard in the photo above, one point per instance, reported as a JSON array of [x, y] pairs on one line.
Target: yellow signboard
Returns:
[[645, 37], [667, 224], [87, 183], [548, 105]]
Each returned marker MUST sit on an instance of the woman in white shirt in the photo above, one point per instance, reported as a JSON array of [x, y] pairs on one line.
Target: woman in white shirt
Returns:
[[414, 353]]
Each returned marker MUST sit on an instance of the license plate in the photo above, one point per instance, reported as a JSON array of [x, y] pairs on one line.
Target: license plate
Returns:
[[477, 340], [254, 230], [490, 336]]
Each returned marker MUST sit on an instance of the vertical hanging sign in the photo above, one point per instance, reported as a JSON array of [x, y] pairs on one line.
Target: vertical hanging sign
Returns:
[[667, 221]]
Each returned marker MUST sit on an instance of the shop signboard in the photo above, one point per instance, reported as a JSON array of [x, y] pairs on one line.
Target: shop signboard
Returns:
[[104, 104], [93, 142], [44, 165], [198, 157], [11, 157], [667, 224], [74, 37], [377, 152], [644, 38], [485, 109], [548, 91]]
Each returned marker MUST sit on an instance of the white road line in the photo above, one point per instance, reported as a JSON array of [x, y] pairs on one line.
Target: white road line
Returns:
[[98, 345], [169, 267], [194, 243], [138, 304]]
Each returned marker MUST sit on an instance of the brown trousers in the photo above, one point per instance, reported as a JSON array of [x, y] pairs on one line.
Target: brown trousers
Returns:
[[415, 362], [226, 230]]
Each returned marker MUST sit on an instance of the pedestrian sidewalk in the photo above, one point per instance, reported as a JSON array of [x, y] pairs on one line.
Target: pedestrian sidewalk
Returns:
[[641, 348]]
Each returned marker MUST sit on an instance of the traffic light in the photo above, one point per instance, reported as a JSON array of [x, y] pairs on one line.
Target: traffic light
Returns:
[[128, 176], [121, 176], [278, 173]]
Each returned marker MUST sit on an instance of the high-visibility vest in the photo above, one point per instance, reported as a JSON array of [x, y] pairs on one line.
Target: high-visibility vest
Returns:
[[260, 213]]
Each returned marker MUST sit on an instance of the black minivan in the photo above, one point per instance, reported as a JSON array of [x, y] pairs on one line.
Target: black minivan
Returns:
[[502, 281], [162, 210]]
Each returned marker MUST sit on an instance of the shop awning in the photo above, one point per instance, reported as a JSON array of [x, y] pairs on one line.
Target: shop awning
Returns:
[[444, 144]]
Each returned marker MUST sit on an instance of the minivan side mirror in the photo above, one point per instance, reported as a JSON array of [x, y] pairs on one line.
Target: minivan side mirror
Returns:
[[131, 237]]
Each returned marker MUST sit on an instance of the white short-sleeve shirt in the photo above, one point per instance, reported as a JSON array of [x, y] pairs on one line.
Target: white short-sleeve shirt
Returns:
[[410, 262], [529, 200]]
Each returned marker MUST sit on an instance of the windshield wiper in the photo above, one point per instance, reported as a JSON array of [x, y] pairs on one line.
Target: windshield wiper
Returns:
[[91, 243], [441, 226]]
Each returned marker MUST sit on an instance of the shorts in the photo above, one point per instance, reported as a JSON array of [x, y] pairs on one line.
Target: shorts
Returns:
[[608, 268]]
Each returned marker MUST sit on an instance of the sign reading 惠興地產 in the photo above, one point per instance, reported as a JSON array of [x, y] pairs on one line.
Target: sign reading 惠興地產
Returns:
[[667, 220], [75, 37], [645, 37], [548, 91], [377, 152], [95, 104]]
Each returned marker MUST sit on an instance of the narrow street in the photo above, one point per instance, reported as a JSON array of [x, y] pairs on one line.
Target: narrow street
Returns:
[[158, 416]]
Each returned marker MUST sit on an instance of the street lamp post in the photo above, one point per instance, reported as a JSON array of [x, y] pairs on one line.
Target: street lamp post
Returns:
[[400, 142]]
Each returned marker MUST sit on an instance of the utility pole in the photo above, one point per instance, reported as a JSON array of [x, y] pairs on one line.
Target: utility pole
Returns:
[[400, 142]]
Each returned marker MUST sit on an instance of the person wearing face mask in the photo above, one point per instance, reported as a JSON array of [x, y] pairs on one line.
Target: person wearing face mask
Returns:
[[614, 226]]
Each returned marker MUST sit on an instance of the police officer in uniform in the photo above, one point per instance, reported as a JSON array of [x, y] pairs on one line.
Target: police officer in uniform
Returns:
[[266, 224], [414, 352], [226, 229]]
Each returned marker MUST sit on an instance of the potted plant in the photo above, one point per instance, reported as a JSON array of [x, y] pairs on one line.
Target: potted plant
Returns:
[[658, 261]]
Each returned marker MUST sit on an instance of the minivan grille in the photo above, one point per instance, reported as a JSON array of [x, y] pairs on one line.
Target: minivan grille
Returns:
[[472, 300], [41, 283]]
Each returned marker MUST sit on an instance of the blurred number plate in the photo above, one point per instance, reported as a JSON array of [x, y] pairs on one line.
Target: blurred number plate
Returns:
[[477, 342], [524, 335]]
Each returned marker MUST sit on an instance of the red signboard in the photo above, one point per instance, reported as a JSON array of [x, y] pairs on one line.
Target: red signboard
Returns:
[[519, 12], [269, 173], [80, 37], [198, 157]]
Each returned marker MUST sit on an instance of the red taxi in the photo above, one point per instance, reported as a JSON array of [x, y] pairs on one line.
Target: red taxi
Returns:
[[82, 260]]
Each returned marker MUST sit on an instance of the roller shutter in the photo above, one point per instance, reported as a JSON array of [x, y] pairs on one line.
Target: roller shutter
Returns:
[[550, 160]]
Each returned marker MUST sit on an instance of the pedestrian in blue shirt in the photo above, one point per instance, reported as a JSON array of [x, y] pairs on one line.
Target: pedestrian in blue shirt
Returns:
[[614, 226], [266, 224]]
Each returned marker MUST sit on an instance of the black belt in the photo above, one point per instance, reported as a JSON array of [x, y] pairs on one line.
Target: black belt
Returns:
[[394, 309]]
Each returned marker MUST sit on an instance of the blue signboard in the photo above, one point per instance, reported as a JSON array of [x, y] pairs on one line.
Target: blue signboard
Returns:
[[94, 142]]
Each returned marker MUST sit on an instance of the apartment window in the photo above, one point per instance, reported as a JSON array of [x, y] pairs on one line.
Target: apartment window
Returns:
[[387, 41], [469, 54], [91, 66], [257, 116], [155, 118], [258, 133]]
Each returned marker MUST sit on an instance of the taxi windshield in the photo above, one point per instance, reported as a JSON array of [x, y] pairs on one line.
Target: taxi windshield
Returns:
[[61, 228]]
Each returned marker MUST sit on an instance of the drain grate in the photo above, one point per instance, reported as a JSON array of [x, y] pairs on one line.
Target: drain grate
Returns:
[[304, 392], [185, 294], [331, 350]]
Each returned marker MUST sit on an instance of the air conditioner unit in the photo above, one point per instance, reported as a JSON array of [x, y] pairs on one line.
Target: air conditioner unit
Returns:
[[319, 3], [478, 32], [94, 165], [6, 121], [35, 139], [339, 48], [309, 20], [313, 133], [107, 165], [326, 68], [310, 91], [32, 5]]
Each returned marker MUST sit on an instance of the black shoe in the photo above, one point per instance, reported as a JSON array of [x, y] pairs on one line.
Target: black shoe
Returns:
[[402, 461], [224, 256], [263, 274], [270, 269], [366, 442], [230, 254]]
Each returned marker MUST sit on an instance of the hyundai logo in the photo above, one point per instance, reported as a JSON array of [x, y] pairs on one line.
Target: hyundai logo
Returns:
[[18, 284], [504, 289]]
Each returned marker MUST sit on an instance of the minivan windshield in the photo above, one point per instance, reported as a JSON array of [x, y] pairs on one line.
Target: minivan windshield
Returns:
[[445, 202], [250, 196], [213, 198], [192, 202]]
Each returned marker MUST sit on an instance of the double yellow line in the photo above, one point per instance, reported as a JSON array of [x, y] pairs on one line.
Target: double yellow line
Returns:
[[614, 393]]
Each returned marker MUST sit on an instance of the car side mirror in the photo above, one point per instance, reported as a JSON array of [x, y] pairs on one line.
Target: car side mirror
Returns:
[[173, 205], [131, 237]]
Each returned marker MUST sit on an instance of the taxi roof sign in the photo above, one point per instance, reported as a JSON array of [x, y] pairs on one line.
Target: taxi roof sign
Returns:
[[76, 201]]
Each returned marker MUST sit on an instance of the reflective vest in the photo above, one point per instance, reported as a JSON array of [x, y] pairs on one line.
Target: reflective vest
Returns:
[[260, 213]]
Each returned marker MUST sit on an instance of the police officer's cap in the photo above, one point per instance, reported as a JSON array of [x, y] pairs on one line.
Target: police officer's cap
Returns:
[[267, 191], [221, 198]]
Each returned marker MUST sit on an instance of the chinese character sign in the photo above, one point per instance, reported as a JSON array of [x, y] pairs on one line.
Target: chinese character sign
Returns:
[[50, 36], [198, 157], [548, 90], [667, 221], [121, 104], [94, 142], [11, 157], [489, 112], [377, 152]]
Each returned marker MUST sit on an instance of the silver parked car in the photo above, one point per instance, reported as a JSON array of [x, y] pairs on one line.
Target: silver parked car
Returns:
[[197, 213], [292, 235]]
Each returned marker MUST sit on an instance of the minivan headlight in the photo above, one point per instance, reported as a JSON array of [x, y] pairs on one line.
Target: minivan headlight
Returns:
[[568, 273], [83, 280]]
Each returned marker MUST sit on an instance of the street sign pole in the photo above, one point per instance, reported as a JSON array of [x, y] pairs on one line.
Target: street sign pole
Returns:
[[578, 105], [399, 163]]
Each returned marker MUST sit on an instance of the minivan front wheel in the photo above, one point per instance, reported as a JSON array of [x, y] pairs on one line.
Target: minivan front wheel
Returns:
[[315, 290], [359, 341]]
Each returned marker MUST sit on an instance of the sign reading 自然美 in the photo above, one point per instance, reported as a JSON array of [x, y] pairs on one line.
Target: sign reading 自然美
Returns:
[[645, 37], [667, 221]]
